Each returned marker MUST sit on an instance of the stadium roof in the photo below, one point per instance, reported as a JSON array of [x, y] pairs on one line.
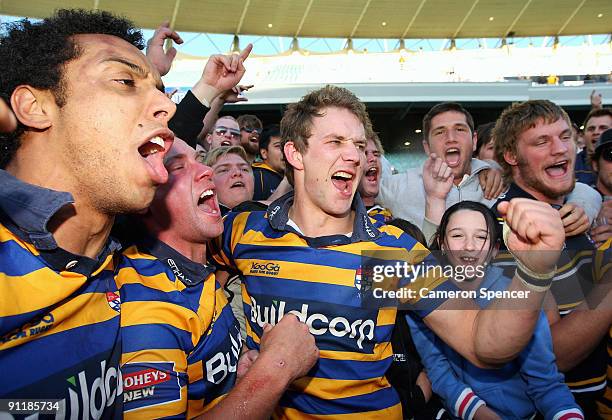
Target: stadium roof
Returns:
[[352, 18]]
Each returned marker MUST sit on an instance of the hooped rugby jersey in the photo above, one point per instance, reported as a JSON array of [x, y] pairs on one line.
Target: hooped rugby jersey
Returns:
[[319, 280], [59, 312], [578, 268], [181, 341], [266, 180]]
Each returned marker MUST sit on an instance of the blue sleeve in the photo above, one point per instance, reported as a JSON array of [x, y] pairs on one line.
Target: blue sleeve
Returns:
[[458, 397], [545, 385]]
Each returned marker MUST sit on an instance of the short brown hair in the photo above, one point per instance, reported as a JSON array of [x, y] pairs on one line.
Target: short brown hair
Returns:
[[296, 123], [442, 108], [249, 121], [517, 118], [601, 112], [214, 155]]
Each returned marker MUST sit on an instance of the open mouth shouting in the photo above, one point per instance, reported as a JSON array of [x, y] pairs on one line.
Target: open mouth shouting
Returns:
[[558, 169], [371, 174], [207, 202], [343, 181], [153, 152], [452, 157]]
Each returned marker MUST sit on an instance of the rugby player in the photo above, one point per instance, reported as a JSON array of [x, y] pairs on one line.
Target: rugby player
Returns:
[[92, 133], [303, 256], [181, 341], [535, 147]]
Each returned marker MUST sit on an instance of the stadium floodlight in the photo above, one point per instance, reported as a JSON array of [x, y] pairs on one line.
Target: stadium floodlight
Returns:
[[402, 46], [295, 46], [235, 44], [349, 46]]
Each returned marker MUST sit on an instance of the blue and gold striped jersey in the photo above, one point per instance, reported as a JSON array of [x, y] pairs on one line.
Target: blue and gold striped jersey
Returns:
[[320, 281], [266, 180], [59, 312], [181, 341], [578, 270], [380, 214]]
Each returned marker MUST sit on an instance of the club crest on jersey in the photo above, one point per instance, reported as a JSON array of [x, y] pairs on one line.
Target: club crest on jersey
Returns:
[[114, 301], [363, 281]]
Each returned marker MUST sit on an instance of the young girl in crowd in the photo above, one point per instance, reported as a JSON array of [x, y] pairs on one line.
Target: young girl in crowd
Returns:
[[468, 235]]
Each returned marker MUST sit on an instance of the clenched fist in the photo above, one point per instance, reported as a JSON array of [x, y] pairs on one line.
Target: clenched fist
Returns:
[[536, 234]]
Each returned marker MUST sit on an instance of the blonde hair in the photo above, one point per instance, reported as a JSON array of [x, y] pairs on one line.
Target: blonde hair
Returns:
[[217, 153]]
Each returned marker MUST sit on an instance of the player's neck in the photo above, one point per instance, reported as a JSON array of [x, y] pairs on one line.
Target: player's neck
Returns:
[[314, 222], [196, 252], [79, 228], [539, 195]]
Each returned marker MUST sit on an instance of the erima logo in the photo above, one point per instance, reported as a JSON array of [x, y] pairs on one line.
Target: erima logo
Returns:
[[366, 222], [318, 324], [177, 271], [274, 211], [269, 269]]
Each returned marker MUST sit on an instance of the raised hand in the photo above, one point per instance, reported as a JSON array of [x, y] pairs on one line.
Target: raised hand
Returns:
[[534, 234], [162, 60], [596, 100], [223, 72], [437, 177], [233, 95]]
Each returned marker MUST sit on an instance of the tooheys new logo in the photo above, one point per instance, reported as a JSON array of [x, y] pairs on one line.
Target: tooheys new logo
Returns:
[[338, 326]]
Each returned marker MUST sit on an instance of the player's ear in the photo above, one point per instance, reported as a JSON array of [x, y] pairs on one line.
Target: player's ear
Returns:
[[293, 155], [510, 158], [33, 107]]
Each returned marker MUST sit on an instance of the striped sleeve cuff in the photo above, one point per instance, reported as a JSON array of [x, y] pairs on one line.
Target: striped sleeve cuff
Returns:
[[467, 404], [571, 414]]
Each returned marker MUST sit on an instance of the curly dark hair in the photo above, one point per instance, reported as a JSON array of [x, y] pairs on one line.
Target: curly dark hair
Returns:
[[34, 54]]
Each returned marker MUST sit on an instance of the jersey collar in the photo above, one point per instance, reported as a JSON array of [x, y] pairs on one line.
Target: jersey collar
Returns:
[[363, 229]]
